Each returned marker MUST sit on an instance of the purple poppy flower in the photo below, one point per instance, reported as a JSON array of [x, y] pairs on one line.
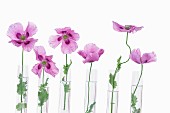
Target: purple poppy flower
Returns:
[[44, 62], [146, 57], [91, 53], [19, 37], [126, 28], [68, 39]]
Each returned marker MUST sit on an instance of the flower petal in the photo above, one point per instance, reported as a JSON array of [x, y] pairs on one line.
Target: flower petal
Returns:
[[134, 29], [68, 46], [31, 29], [49, 58], [92, 57], [118, 27], [101, 51], [62, 30], [72, 35], [37, 69], [16, 42], [40, 52], [136, 56], [51, 69], [15, 30], [91, 48], [54, 41], [148, 57], [28, 44], [82, 53]]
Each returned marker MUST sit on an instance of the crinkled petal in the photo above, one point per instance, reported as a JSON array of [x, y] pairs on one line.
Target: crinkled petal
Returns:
[[28, 44], [49, 58], [62, 30], [91, 48], [101, 51], [82, 53], [54, 41], [136, 56], [134, 29], [31, 29], [39, 52], [148, 57], [51, 69], [37, 69], [72, 35], [15, 30], [68, 46], [92, 57], [118, 27], [17, 43]]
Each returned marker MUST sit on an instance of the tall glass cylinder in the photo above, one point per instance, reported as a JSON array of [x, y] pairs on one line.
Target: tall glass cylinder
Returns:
[[90, 91], [65, 93], [22, 89], [112, 94], [136, 93], [43, 95]]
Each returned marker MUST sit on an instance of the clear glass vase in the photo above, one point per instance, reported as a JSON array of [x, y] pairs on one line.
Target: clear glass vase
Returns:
[[65, 93], [22, 90], [136, 93], [112, 94], [43, 95], [90, 92]]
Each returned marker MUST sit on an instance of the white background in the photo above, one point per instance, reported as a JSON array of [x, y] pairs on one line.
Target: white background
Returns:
[[92, 19]]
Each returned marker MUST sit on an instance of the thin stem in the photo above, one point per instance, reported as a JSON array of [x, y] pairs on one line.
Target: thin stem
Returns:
[[129, 49], [41, 109], [112, 102], [64, 90], [22, 73], [139, 79], [89, 88], [43, 77]]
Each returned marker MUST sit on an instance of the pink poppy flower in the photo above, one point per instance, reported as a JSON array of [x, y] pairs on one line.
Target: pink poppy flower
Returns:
[[19, 37], [126, 28], [67, 37], [145, 58], [91, 53], [44, 62]]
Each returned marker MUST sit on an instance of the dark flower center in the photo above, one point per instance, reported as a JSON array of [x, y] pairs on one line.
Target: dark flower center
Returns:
[[59, 38], [40, 57], [48, 66], [18, 35], [127, 27], [121, 27]]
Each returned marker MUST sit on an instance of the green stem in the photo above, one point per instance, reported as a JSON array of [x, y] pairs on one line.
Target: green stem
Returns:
[[112, 102], [41, 109], [64, 90], [129, 49], [43, 77], [139, 79], [22, 73], [89, 88]]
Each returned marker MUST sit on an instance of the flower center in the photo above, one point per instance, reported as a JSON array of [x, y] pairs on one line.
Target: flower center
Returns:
[[44, 63], [127, 27], [22, 37], [65, 37]]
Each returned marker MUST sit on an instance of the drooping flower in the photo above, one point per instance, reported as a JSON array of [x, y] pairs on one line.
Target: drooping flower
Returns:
[[67, 37], [126, 28], [44, 62], [19, 37], [145, 58], [91, 53]]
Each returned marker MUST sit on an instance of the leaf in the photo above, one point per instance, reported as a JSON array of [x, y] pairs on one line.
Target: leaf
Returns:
[[133, 100], [112, 81], [118, 64], [21, 106], [66, 68], [91, 107], [66, 88], [21, 86], [43, 94]]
